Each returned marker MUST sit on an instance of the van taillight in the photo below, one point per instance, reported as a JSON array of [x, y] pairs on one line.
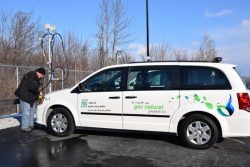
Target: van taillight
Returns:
[[244, 101]]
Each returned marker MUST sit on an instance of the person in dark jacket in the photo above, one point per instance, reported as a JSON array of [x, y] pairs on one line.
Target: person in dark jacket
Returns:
[[28, 92]]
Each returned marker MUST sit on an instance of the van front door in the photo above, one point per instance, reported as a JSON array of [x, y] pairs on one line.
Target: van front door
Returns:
[[100, 103]]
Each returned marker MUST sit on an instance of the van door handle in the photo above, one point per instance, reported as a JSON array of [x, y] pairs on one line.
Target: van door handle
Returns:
[[130, 97], [114, 97]]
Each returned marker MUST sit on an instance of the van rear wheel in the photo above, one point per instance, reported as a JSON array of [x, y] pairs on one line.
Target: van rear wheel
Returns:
[[199, 132], [60, 122]]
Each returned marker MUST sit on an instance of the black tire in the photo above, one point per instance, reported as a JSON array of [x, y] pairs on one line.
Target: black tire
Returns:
[[60, 122], [220, 140], [198, 138]]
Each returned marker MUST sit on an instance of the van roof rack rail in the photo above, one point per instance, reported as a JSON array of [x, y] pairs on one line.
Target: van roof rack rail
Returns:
[[215, 60]]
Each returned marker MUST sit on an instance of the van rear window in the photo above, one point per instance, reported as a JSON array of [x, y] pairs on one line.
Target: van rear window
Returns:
[[242, 78], [195, 77]]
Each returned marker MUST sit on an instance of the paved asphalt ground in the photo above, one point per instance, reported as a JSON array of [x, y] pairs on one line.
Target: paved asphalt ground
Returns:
[[99, 149]]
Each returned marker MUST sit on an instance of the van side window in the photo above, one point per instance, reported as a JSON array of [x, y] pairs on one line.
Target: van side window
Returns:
[[135, 79], [154, 78], [203, 78], [109, 80]]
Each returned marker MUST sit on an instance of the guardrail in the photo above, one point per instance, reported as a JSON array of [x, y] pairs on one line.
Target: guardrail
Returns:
[[9, 102]]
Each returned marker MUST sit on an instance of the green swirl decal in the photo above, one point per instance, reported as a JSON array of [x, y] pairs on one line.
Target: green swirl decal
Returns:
[[222, 109]]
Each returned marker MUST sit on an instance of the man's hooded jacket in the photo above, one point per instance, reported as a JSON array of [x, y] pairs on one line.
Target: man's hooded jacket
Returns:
[[28, 90]]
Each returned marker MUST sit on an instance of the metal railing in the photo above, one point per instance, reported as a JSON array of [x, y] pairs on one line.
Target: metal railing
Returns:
[[11, 75]]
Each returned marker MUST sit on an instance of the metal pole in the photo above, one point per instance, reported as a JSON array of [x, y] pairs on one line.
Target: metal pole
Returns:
[[17, 76], [50, 72], [17, 84], [62, 79], [148, 58]]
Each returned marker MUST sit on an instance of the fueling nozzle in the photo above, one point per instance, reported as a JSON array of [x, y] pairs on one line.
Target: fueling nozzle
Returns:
[[41, 98]]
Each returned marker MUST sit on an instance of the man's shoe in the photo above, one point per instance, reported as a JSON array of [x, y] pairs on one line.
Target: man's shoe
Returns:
[[31, 127], [26, 130]]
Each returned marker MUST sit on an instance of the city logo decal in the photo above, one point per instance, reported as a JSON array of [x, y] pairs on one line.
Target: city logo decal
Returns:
[[84, 103]]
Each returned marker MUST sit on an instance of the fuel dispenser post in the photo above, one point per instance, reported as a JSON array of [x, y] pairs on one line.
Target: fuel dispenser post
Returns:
[[51, 34]]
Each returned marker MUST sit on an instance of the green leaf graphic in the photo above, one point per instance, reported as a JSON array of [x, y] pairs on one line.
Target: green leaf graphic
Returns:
[[196, 98], [209, 105]]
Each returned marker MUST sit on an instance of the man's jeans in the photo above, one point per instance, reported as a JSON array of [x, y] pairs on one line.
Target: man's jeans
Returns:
[[27, 115]]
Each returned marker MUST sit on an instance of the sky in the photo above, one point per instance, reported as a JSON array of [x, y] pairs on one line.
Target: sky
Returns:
[[179, 23]]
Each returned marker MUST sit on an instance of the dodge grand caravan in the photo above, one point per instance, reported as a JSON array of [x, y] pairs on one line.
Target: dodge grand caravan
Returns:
[[201, 102]]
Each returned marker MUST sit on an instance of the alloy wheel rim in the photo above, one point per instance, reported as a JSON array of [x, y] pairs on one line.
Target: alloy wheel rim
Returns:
[[59, 123], [198, 133]]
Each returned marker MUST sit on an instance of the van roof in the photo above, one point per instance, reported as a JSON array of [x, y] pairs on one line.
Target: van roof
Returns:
[[175, 63], [215, 60]]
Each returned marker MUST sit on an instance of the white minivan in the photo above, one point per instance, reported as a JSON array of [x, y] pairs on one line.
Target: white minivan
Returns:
[[199, 101]]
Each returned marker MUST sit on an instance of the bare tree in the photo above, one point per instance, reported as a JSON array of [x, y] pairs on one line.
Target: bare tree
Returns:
[[25, 35], [164, 52], [127, 58], [20, 36], [106, 12], [94, 60], [103, 24], [207, 50], [160, 52], [180, 54], [5, 45], [121, 22], [123, 57], [112, 32], [76, 52]]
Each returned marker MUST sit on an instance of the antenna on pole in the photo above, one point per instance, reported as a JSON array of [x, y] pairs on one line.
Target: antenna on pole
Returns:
[[148, 57]]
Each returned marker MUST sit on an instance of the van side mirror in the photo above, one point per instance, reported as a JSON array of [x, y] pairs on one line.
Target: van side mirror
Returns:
[[81, 87]]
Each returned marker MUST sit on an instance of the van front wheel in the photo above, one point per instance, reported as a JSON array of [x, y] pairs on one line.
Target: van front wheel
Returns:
[[199, 132], [60, 122]]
